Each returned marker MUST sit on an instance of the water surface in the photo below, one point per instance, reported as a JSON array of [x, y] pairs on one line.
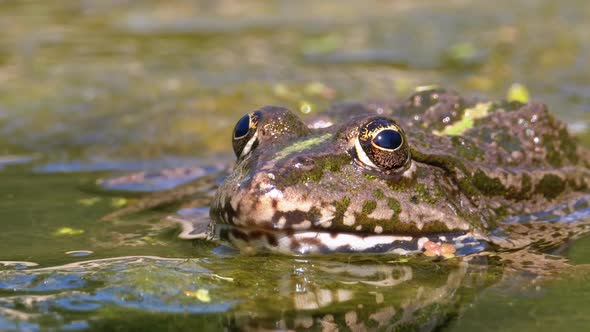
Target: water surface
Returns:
[[90, 88]]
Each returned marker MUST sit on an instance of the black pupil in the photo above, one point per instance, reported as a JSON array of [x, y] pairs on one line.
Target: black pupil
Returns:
[[242, 127], [388, 139]]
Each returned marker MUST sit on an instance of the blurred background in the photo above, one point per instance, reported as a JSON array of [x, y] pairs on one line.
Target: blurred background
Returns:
[[122, 85], [96, 80]]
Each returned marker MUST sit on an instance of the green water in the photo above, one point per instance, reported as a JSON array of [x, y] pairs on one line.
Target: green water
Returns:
[[92, 88]]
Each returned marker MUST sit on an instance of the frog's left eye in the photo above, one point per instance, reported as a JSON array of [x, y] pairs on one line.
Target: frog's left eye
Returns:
[[381, 145], [244, 137]]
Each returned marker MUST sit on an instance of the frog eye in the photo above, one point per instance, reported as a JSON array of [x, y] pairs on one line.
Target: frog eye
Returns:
[[381, 144], [245, 135], [388, 139]]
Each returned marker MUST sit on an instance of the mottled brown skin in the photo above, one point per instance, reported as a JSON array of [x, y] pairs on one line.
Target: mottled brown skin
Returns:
[[517, 159]]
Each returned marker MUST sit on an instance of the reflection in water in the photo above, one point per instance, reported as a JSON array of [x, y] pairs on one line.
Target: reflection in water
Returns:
[[162, 79], [356, 293]]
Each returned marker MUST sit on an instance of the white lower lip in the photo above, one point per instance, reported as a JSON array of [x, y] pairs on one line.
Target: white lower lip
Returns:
[[309, 242], [354, 242]]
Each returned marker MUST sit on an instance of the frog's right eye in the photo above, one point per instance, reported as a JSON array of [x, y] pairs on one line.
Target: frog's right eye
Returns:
[[381, 145], [244, 137]]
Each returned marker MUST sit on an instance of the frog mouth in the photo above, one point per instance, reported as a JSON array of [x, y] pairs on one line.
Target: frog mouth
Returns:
[[290, 242]]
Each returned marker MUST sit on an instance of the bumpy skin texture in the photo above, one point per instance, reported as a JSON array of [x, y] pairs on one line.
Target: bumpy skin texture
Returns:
[[511, 159]]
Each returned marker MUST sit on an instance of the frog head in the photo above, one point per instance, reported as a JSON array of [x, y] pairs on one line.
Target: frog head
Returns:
[[353, 186]]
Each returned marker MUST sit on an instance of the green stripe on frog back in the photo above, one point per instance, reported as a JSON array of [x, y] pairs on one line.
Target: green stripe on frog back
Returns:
[[302, 145]]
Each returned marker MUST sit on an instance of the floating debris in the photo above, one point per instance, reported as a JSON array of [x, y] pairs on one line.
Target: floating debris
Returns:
[[464, 54], [432, 249], [518, 92], [119, 202], [89, 201], [79, 253], [305, 107], [201, 295], [68, 231]]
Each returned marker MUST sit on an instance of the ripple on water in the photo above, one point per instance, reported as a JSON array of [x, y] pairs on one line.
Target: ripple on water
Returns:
[[7, 160], [17, 265], [135, 282], [79, 253]]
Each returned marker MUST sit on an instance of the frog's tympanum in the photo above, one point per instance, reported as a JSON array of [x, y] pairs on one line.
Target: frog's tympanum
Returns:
[[436, 173]]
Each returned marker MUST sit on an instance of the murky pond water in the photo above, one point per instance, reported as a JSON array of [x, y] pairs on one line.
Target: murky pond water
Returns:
[[90, 89]]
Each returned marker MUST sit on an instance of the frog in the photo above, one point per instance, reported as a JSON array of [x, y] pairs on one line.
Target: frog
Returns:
[[436, 173]]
